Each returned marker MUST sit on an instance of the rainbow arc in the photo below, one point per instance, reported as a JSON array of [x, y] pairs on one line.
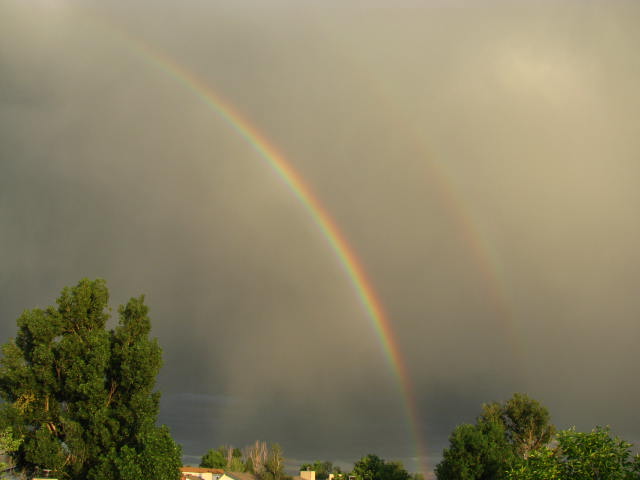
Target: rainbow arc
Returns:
[[325, 223]]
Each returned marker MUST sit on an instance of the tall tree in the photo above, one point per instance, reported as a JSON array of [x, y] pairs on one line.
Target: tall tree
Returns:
[[274, 468], [226, 457], [526, 422], [256, 456], [214, 458], [476, 452], [81, 396], [504, 433]]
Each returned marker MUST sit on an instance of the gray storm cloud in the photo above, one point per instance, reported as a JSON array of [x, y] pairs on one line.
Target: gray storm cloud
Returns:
[[481, 160]]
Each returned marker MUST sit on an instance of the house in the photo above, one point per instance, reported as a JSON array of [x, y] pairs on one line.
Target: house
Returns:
[[197, 473], [238, 476], [308, 474], [311, 475]]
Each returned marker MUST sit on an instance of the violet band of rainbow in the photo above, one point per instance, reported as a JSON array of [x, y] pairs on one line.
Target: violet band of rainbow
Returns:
[[347, 258], [345, 254]]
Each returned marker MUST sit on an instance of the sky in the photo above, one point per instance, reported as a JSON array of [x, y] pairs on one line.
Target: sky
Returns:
[[480, 159]]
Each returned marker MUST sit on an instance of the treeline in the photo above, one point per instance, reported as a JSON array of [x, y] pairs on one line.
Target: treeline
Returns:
[[78, 400], [513, 440], [263, 460], [267, 463], [516, 440]]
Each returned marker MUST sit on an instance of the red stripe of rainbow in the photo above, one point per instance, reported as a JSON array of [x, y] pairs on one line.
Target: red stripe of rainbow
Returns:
[[346, 256]]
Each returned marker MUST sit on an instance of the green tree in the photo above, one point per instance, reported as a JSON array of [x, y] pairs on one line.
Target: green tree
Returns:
[[81, 396], [226, 457], [9, 444], [476, 452], [214, 458], [581, 456], [237, 464], [526, 422], [372, 467], [274, 468], [504, 434], [235, 461]]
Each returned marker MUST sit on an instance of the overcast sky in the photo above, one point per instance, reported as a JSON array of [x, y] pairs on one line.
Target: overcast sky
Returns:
[[481, 158]]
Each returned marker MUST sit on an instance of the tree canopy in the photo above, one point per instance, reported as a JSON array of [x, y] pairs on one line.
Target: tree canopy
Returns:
[[372, 467], [581, 456], [9, 444], [82, 397], [503, 434], [526, 422], [215, 458], [263, 460], [515, 441], [476, 452]]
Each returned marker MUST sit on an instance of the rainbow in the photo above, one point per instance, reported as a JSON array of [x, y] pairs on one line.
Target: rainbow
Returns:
[[347, 258], [481, 253]]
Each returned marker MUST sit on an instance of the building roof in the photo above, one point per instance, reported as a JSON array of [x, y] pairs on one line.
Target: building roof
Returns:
[[241, 475], [189, 476], [201, 470]]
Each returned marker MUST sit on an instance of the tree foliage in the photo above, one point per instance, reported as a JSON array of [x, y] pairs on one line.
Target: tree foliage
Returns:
[[581, 456], [526, 422], [476, 452], [503, 434], [263, 460], [274, 468], [9, 444], [81, 396], [225, 457], [372, 467], [215, 458]]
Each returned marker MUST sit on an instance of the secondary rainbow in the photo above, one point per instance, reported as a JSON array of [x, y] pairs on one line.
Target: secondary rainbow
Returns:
[[336, 240]]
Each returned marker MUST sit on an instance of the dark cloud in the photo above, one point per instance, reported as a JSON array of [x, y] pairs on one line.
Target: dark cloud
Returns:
[[481, 160]]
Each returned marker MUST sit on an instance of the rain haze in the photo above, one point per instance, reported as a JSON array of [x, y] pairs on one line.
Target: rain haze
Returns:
[[481, 159]]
